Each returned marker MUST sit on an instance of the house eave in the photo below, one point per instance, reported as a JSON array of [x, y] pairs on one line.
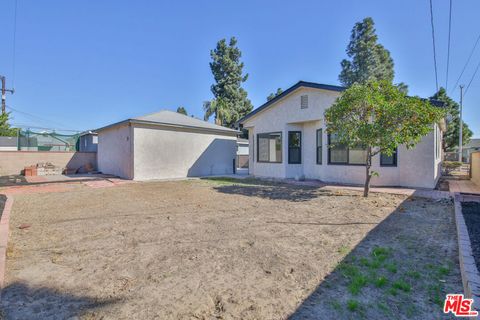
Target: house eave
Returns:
[[300, 84], [229, 132]]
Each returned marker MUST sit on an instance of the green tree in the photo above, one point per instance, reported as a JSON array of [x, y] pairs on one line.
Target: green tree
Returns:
[[220, 109], [451, 136], [5, 129], [227, 70], [369, 60], [182, 110], [378, 116], [274, 94]]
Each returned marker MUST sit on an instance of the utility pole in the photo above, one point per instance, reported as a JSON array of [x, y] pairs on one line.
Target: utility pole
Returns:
[[460, 136], [4, 93]]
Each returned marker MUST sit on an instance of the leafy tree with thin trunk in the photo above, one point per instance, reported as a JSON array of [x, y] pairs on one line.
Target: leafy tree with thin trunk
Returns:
[[452, 135], [219, 109], [227, 70], [182, 110], [274, 94], [5, 129], [369, 60], [379, 117]]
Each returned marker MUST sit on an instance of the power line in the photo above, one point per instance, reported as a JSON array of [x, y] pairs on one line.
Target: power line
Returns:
[[434, 50], [36, 118], [466, 64], [473, 76], [14, 43], [449, 36], [23, 125]]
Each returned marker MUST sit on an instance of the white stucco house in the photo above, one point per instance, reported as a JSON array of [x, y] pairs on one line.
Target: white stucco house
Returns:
[[165, 145], [288, 139]]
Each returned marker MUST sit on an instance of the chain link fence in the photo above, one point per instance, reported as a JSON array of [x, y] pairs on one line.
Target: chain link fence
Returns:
[[28, 140]]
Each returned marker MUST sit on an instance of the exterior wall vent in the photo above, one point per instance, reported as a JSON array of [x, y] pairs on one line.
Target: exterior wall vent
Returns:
[[304, 102]]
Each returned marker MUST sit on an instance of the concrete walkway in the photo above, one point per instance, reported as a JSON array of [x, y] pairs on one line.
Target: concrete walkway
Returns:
[[463, 186]]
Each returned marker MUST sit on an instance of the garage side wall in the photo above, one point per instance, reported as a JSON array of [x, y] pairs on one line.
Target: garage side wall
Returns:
[[167, 153], [114, 155]]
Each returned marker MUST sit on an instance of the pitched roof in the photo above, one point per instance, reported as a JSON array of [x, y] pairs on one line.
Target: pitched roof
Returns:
[[306, 84], [174, 119], [474, 143], [299, 84]]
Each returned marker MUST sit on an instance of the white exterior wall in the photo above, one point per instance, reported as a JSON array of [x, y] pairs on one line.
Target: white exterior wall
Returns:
[[165, 153], [417, 167], [242, 149], [114, 155]]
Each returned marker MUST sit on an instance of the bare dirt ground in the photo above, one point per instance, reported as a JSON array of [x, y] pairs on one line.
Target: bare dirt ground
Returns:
[[223, 250]]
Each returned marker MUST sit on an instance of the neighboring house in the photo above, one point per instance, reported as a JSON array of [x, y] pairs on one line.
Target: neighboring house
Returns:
[[472, 146], [88, 141], [166, 145], [288, 139], [242, 153], [8, 143]]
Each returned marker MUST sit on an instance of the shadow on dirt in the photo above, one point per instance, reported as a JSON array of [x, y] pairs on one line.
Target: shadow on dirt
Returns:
[[19, 301], [402, 269], [272, 190]]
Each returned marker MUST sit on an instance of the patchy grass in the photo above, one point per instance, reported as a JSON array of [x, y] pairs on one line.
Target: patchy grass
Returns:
[[392, 267], [380, 282], [357, 283], [413, 274], [352, 305], [343, 250], [401, 285], [226, 181]]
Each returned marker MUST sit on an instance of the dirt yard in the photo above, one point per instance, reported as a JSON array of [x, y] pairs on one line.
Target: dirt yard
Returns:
[[205, 249]]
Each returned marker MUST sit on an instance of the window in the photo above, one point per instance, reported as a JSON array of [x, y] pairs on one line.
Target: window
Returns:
[[95, 139], [294, 147], [357, 155], [337, 153], [304, 102], [269, 147], [319, 146], [341, 154], [388, 161]]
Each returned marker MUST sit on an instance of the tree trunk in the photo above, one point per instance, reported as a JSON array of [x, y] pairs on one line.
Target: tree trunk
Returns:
[[368, 165]]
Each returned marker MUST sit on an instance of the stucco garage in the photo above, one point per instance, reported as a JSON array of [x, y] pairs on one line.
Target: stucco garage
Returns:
[[165, 145]]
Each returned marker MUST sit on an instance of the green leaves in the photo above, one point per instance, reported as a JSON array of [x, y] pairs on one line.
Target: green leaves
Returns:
[[451, 136], [380, 116], [182, 110], [5, 129], [227, 70], [369, 59]]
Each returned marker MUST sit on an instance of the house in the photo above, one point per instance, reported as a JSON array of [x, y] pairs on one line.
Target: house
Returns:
[[242, 153], [88, 141], [288, 139], [165, 145], [8, 143], [472, 146]]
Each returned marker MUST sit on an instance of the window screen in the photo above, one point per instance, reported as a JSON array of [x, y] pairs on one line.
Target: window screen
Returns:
[[269, 147]]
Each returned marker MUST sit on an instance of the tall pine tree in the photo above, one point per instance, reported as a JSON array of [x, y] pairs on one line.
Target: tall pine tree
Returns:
[[227, 70], [451, 137], [369, 60]]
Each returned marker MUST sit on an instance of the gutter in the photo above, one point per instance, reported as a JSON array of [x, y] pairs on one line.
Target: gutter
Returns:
[[170, 125]]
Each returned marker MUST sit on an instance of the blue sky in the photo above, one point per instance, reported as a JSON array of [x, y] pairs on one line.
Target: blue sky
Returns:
[[84, 64]]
